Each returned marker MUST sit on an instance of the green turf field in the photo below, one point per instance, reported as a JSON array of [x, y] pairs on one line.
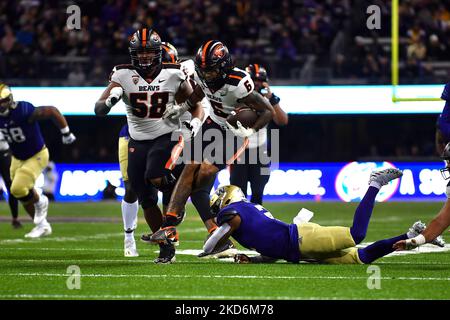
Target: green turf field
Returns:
[[37, 269]]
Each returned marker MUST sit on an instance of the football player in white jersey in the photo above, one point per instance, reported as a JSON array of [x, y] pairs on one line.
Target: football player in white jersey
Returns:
[[147, 87], [225, 87], [256, 169]]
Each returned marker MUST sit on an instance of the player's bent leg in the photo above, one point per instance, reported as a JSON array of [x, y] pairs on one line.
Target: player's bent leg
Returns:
[[317, 240], [345, 256]]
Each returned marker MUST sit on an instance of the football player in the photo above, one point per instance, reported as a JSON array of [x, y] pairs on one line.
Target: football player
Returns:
[[225, 87], [148, 87], [432, 233], [19, 125], [255, 228], [200, 198], [5, 163], [258, 173]]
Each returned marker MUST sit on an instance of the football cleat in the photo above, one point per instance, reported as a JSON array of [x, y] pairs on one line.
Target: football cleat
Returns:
[[130, 250], [418, 227], [40, 231], [40, 210], [167, 235], [146, 237], [166, 254], [383, 177], [16, 224]]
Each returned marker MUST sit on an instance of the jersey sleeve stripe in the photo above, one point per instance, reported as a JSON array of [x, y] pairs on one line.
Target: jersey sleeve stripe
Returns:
[[235, 77]]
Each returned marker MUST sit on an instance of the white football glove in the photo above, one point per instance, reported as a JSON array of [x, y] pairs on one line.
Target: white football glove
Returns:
[[114, 96], [241, 131], [190, 129], [174, 111], [68, 138]]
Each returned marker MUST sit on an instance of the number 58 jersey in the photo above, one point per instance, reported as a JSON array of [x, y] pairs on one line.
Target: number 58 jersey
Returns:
[[146, 101]]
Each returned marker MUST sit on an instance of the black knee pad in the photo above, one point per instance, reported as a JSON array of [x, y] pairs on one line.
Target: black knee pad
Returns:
[[168, 182]]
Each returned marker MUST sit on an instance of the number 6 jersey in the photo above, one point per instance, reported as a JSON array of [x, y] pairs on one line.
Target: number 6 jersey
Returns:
[[146, 101], [24, 138]]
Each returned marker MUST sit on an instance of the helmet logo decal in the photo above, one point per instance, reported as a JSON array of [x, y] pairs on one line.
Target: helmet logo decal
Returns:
[[155, 37], [219, 51]]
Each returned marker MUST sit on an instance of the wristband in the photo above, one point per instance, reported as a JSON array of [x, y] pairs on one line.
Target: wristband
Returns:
[[274, 99], [415, 242], [65, 130]]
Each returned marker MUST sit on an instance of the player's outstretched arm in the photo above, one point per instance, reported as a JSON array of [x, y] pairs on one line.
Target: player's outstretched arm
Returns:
[[436, 227], [280, 117], [222, 234], [50, 112], [108, 99], [258, 103]]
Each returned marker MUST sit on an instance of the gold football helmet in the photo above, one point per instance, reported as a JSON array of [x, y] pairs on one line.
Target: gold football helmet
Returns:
[[6, 99], [224, 196]]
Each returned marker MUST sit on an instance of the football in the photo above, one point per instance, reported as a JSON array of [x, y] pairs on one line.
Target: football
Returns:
[[245, 115]]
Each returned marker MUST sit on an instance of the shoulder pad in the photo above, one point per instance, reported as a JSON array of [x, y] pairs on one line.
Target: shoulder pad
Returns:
[[171, 66], [234, 77], [124, 66], [226, 215]]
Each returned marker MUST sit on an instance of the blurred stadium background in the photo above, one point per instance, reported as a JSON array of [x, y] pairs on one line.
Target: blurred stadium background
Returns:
[[333, 75], [301, 43]]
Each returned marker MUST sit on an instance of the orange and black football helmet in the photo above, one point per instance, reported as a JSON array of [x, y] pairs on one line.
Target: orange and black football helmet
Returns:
[[257, 72], [213, 62], [145, 49], [169, 53]]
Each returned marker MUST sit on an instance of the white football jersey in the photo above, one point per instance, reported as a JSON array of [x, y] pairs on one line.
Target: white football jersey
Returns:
[[146, 102], [224, 101], [188, 67]]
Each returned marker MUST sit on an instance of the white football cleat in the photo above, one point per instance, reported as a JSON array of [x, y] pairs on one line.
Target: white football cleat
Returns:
[[130, 250], [40, 210], [383, 177], [40, 231], [418, 227]]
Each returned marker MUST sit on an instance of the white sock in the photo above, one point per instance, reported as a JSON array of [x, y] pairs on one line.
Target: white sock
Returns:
[[375, 184], [129, 215]]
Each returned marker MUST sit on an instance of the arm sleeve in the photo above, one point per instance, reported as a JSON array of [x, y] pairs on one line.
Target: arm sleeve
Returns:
[[262, 259], [215, 238], [244, 87]]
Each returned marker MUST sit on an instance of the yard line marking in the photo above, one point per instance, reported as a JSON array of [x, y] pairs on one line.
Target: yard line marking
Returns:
[[176, 297], [101, 236], [36, 274]]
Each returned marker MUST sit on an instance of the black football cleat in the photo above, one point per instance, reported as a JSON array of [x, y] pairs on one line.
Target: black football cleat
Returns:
[[166, 254]]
